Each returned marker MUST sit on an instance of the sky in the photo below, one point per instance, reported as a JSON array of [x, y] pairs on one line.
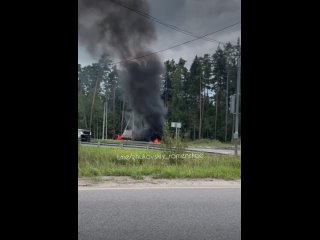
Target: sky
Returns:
[[197, 16]]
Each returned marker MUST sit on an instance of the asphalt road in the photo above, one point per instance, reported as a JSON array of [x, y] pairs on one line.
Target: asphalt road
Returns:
[[214, 150], [159, 213]]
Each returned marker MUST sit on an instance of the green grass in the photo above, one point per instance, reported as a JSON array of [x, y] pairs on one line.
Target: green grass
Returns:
[[94, 161]]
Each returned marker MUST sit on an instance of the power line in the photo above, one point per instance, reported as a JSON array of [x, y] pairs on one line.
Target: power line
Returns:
[[178, 45], [147, 15]]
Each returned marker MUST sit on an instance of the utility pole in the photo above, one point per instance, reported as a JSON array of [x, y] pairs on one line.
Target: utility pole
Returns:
[[216, 116], [132, 125], [200, 119], [122, 114], [113, 113], [227, 98], [103, 121], [232, 127], [106, 118], [92, 105], [236, 133], [233, 111], [97, 130]]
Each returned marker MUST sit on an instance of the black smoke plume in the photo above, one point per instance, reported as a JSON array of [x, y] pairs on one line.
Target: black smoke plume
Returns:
[[106, 27]]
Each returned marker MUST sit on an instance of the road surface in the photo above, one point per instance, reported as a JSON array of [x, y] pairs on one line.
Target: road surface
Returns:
[[146, 213]]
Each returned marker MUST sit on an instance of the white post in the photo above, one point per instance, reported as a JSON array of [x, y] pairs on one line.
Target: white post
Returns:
[[176, 135]]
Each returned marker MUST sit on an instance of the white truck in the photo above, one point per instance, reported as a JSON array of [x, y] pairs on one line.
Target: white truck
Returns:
[[84, 135]]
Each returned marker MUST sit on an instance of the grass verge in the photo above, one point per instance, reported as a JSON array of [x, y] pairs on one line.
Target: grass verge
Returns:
[[99, 161]]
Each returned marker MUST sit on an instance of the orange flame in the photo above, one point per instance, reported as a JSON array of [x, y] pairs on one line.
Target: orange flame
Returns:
[[156, 141]]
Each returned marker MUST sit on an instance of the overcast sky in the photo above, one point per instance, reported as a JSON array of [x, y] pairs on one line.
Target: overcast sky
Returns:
[[197, 16]]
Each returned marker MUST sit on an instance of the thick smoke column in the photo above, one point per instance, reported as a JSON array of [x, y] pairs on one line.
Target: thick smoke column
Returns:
[[106, 27]]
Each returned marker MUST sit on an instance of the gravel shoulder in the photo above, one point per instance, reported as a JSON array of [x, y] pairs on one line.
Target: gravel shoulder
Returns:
[[127, 182]]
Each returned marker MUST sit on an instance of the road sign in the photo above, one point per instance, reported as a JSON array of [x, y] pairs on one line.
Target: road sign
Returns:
[[176, 124]]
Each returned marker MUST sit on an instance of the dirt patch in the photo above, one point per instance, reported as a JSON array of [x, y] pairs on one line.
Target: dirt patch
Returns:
[[109, 181]]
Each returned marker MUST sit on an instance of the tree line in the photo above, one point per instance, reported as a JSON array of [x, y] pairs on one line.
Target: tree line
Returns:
[[198, 97]]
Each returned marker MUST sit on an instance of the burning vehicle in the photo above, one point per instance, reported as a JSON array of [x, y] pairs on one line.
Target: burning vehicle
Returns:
[[102, 29], [137, 129], [146, 135]]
